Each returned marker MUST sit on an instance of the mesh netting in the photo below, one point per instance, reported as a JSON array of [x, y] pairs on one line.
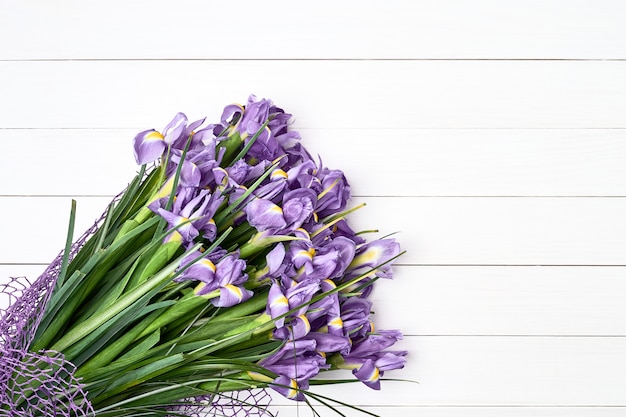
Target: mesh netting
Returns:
[[250, 403], [35, 384], [42, 384]]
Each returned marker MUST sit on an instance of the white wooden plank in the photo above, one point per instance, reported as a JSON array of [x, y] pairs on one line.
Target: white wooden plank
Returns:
[[565, 301], [502, 231], [321, 94], [437, 411], [500, 371], [447, 231], [449, 301], [417, 162], [324, 29]]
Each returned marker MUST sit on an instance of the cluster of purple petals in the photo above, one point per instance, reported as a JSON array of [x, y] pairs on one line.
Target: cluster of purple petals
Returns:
[[302, 200]]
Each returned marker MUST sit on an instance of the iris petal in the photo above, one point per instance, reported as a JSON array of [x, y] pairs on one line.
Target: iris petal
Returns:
[[148, 146]]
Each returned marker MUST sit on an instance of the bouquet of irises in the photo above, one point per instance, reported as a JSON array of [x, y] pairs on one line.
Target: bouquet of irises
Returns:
[[224, 269]]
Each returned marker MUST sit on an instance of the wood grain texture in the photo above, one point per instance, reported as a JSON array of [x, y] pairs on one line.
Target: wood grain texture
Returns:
[[434, 231], [485, 301], [442, 411], [438, 162], [500, 371], [321, 94], [352, 29], [501, 129]]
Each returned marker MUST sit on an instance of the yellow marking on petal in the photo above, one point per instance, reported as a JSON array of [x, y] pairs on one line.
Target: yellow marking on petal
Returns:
[[371, 327], [322, 354], [374, 376], [305, 253], [337, 323], [280, 301], [312, 251], [304, 232], [276, 209], [208, 263], [316, 217], [293, 392], [154, 136], [330, 282], [278, 173], [212, 221], [235, 290], [307, 324], [369, 256]]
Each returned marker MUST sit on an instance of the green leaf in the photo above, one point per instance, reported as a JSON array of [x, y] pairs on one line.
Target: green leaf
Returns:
[[68, 246], [145, 345], [83, 329]]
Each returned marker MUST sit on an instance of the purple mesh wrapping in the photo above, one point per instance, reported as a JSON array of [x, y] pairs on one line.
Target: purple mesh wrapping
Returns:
[[248, 403], [58, 393]]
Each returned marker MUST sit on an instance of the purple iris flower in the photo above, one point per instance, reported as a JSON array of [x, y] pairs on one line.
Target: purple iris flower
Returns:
[[296, 360], [370, 360], [298, 206], [373, 255], [288, 388], [355, 316], [227, 276], [341, 228], [301, 254], [238, 171], [148, 146], [303, 176], [265, 215], [175, 129], [274, 260], [332, 259], [190, 174], [329, 343], [281, 299], [335, 192], [190, 214]]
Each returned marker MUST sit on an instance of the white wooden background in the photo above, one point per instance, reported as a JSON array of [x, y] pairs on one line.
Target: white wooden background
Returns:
[[490, 133]]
